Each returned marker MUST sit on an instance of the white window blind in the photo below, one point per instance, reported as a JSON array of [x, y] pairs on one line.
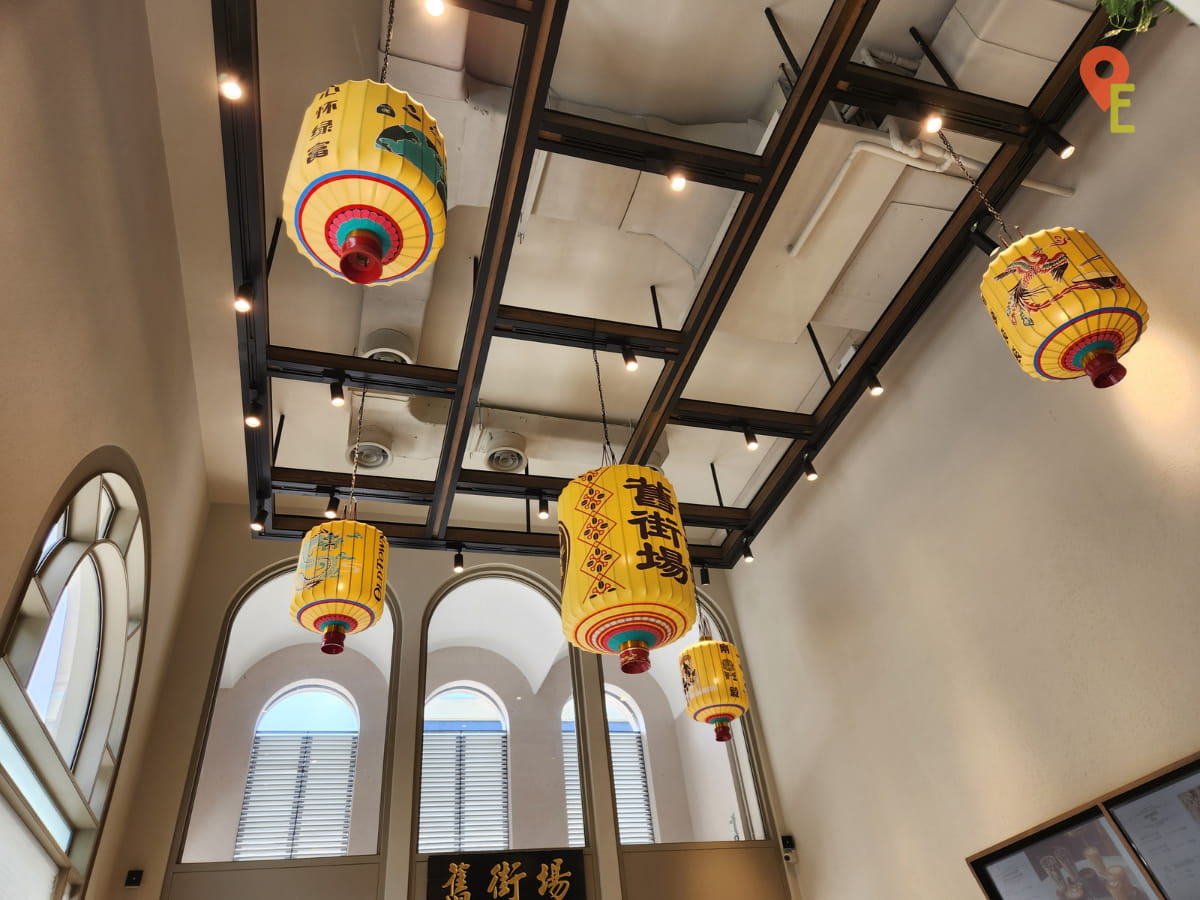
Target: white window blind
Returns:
[[298, 796], [634, 821], [570, 752], [464, 791]]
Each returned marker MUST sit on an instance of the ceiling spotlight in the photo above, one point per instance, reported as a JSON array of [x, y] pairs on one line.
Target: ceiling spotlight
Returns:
[[254, 416], [435, 7], [259, 522], [543, 508], [810, 473], [983, 242], [243, 300], [331, 508], [229, 86], [748, 553], [631, 362], [1059, 144], [874, 388], [336, 395], [704, 578], [458, 562], [933, 123], [678, 181], [751, 438]]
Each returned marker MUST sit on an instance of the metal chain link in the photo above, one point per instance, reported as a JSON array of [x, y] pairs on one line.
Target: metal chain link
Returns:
[[975, 184], [607, 456], [387, 42], [351, 505]]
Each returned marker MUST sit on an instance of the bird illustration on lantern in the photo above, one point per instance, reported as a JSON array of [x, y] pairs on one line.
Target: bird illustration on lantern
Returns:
[[340, 580], [713, 684], [365, 196], [626, 572], [1063, 307]]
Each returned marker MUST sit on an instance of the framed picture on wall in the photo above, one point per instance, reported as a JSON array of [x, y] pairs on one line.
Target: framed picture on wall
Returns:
[[1161, 819], [1079, 858]]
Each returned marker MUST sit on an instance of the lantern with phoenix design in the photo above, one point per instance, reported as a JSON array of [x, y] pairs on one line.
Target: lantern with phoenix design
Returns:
[[626, 573], [713, 684], [1063, 308], [340, 580], [365, 197]]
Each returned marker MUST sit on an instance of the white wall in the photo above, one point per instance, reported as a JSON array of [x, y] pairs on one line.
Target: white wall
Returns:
[[984, 612], [95, 342]]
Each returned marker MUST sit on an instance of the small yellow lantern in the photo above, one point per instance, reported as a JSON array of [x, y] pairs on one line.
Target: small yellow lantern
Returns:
[[340, 581], [1063, 308], [626, 573], [365, 197], [713, 684]]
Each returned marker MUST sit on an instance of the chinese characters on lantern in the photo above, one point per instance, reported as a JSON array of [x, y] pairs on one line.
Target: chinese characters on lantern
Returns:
[[558, 875], [661, 535], [324, 126]]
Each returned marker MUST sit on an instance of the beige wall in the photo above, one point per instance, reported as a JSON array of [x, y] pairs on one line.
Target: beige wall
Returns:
[[984, 613], [95, 342]]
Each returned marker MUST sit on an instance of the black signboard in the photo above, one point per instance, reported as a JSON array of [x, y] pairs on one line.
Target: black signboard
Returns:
[[507, 875]]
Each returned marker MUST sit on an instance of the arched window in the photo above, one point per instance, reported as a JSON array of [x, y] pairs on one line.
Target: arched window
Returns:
[[300, 785], [72, 654], [576, 834], [464, 773]]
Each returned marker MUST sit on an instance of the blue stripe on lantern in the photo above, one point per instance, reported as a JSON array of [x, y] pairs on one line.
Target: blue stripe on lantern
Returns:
[[375, 228], [615, 642]]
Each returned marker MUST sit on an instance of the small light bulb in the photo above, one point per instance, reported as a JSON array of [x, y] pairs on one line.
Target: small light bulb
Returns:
[[933, 124], [748, 554], [1067, 152], [751, 438], [678, 182], [458, 563], [704, 577], [874, 388], [259, 522], [631, 361], [877, 390], [230, 87], [543, 508], [435, 7], [241, 304], [336, 395], [254, 416], [331, 510]]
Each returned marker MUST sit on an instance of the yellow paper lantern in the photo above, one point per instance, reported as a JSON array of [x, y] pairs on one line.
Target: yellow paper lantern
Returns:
[[1063, 308], [340, 581], [713, 684], [626, 573], [365, 197]]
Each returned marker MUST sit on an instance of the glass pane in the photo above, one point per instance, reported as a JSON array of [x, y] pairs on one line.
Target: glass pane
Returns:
[[17, 768], [497, 676], [26, 870], [278, 694], [57, 532], [107, 508], [1164, 827], [60, 685]]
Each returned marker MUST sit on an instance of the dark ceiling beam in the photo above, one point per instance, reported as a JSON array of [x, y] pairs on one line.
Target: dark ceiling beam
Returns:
[[580, 331], [1058, 98], [513, 485], [728, 417], [517, 11], [235, 45], [531, 83], [645, 151], [911, 98], [359, 372], [839, 35], [469, 540]]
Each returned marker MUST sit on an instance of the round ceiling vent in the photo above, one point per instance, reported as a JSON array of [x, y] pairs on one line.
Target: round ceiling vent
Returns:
[[504, 451], [388, 345], [374, 450]]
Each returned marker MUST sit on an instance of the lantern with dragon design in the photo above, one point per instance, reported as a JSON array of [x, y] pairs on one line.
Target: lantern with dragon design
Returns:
[[365, 197], [1062, 307], [713, 684], [626, 573], [340, 580]]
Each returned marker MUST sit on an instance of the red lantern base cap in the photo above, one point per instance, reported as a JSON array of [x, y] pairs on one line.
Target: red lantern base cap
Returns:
[[1104, 369], [724, 733], [635, 658], [333, 641], [362, 257]]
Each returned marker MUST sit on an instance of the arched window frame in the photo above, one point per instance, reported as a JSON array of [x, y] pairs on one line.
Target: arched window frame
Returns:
[[60, 787]]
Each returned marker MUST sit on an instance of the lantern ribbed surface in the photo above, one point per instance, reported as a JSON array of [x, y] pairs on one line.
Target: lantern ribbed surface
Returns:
[[713, 684], [626, 573], [365, 197], [340, 580], [1062, 307]]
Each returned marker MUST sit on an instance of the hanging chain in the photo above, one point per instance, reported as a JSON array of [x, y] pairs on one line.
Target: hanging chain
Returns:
[[975, 184], [607, 456], [387, 41], [705, 628], [351, 505]]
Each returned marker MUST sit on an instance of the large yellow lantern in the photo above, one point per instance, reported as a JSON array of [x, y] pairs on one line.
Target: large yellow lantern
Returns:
[[1063, 308], [340, 581], [365, 197], [626, 573], [713, 684]]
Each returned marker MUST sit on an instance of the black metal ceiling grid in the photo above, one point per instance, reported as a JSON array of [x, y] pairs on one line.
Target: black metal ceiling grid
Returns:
[[826, 74]]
